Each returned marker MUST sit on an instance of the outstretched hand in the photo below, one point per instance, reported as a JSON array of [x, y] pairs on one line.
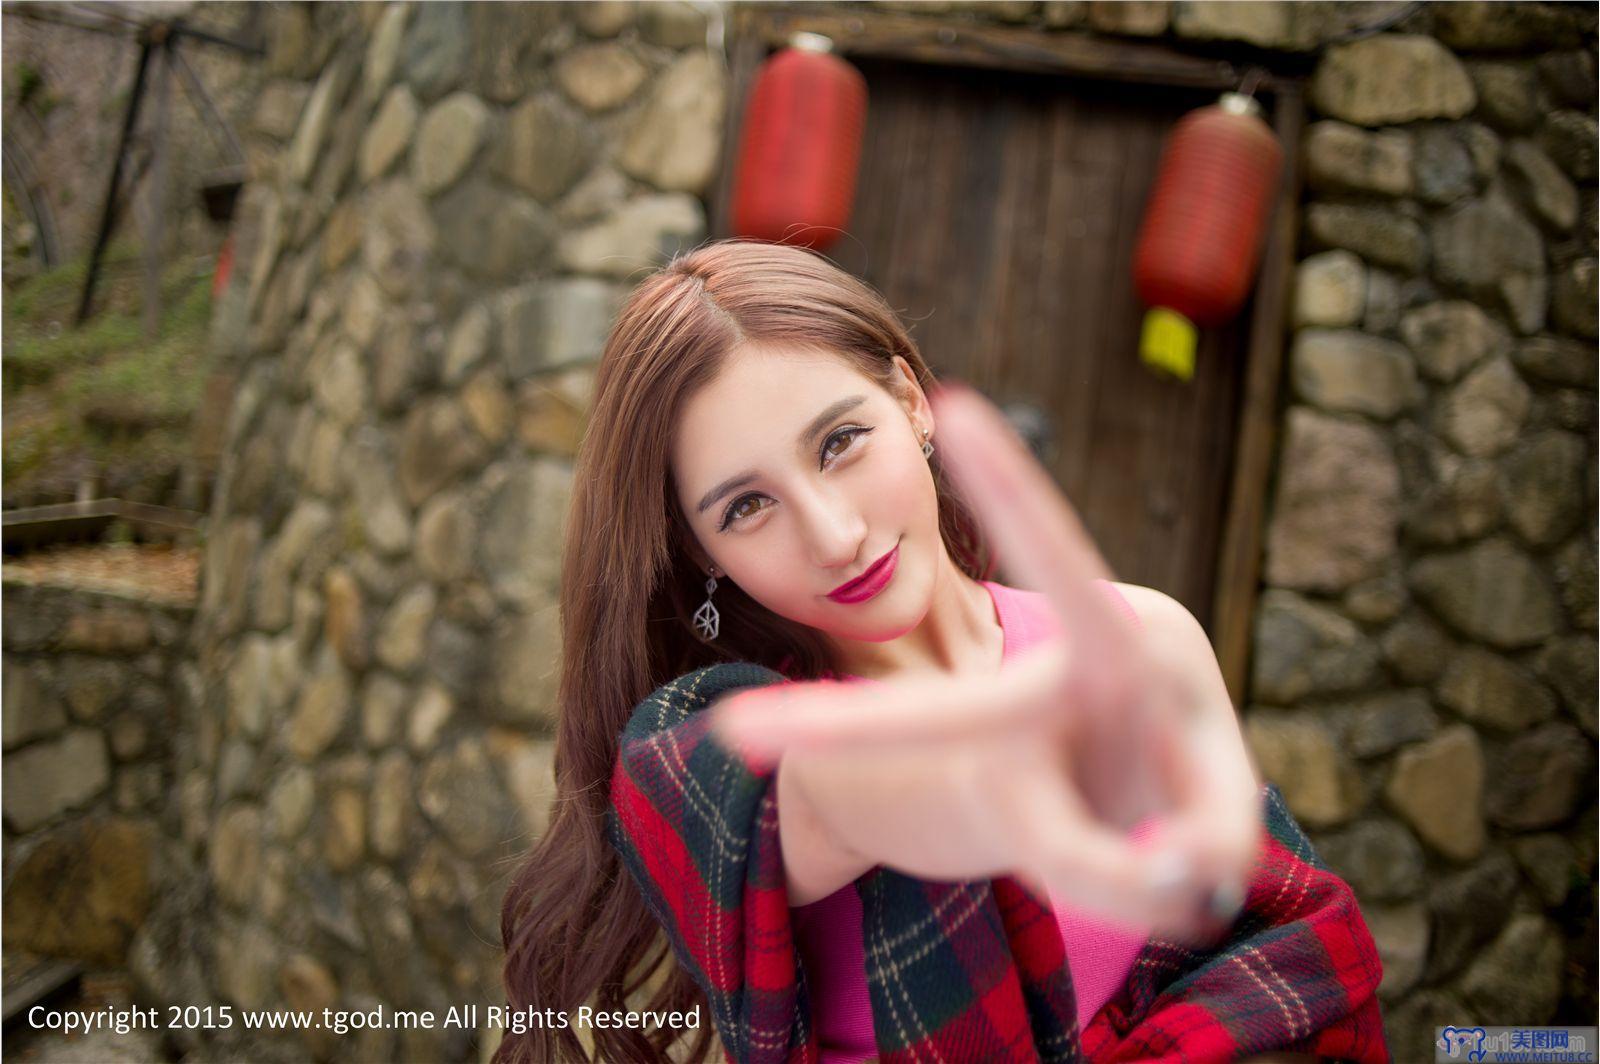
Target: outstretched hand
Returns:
[[1039, 770]]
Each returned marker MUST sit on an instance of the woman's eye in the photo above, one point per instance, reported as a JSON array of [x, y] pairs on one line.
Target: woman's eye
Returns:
[[844, 437], [738, 509], [748, 505]]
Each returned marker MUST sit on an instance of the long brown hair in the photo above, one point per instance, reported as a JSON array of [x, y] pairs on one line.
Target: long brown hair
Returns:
[[575, 928]]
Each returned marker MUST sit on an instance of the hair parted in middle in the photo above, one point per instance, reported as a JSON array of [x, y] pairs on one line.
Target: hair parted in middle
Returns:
[[574, 927]]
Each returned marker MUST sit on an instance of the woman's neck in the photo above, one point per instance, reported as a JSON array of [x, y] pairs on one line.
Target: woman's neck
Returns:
[[960, 633]]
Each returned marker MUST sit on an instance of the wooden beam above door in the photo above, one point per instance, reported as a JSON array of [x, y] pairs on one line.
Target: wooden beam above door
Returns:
[[935, 39]]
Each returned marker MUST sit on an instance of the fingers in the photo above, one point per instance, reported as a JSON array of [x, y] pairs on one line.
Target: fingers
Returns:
[[1126, 738], [1034, 529], [1088, 866], [1118, 764], [1179, 764], [824, 714], [990, 462], [1215, 817], [1217, 820]]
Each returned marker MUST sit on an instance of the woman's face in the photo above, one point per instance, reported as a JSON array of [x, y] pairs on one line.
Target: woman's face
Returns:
[[798, 474]]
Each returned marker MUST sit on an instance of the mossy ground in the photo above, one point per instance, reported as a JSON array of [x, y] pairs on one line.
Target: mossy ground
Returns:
[[101, 395]]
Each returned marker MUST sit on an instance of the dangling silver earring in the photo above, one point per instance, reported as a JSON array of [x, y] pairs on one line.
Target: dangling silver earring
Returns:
[[707, 622], [927, 447]]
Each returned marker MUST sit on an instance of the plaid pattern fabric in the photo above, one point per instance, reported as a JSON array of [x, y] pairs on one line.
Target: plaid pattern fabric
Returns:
[[971, 971]]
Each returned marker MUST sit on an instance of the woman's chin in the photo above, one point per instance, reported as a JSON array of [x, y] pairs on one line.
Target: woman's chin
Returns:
[[890, 614]]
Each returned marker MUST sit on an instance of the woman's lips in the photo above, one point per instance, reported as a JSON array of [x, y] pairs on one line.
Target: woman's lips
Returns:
[[870, 582]]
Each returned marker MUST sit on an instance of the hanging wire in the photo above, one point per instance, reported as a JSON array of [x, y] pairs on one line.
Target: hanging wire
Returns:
[[1251, 81], [1377, 25], [716, 24]]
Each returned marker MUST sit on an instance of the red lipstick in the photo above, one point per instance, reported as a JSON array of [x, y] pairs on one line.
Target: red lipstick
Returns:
[[869, 583]]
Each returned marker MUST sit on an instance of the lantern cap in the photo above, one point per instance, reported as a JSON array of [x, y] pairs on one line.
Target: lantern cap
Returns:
[[1167, 342], [1237, 103], [810, 42]]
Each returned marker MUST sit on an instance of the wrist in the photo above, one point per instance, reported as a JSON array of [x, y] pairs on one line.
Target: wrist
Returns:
[[795, 787], [816, 862]]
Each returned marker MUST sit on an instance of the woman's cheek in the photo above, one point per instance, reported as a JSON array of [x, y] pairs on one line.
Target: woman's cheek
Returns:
[[773, 576], [907, 499]]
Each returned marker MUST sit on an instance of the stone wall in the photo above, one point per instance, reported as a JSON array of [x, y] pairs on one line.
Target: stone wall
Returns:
[[1424, 670], [462, 196], [92, 685], [437, 252]]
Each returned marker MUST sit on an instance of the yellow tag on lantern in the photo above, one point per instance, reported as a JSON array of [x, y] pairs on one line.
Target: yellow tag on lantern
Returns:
[[1167, 342]]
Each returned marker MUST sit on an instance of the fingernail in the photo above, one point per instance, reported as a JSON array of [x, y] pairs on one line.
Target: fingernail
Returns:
[[1169, 872], [743, 729], [745, 744], [759, 727], [1224, 901], [750, 699]]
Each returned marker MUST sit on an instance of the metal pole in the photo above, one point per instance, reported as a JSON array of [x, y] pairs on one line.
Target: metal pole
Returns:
[[157, 193], [108, 213], [196, 90]]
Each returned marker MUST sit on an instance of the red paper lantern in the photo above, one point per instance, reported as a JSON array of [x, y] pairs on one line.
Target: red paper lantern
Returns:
[[801, 146], [1201, 240], [224, 270]]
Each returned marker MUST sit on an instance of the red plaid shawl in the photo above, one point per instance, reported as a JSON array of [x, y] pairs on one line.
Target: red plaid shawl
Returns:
[[970, 971]]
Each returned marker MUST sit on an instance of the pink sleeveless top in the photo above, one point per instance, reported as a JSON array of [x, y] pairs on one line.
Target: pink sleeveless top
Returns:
[[828, 931]]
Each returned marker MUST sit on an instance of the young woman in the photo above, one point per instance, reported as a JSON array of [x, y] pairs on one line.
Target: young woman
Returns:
[[827, 786]]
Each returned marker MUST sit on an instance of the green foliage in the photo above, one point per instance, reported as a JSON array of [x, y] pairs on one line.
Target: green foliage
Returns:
[[30, 89], [36, 357], [30, 82], [54, 293], [103, 391]]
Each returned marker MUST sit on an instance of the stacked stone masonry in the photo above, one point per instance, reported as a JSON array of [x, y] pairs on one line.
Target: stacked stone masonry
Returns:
[[458, 198], [1424, 671], [92, 686]]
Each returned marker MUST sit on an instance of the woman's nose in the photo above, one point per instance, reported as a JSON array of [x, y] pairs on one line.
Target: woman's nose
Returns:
[[833, 528]]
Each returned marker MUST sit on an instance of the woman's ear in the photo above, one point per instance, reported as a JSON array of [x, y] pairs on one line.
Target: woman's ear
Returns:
[[911, 396], [689, 542], [701, 560]]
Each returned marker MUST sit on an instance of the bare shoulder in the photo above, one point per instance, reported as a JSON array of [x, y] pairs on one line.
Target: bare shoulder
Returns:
[[1159, 611], [1180, 643], [1173, 629]]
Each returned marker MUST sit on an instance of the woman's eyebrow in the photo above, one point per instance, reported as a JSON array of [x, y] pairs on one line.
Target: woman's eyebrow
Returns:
[[810, 432]]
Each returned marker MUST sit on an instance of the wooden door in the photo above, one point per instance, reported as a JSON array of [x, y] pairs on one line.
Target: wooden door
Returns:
[[998, 211], [1003, 179]]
